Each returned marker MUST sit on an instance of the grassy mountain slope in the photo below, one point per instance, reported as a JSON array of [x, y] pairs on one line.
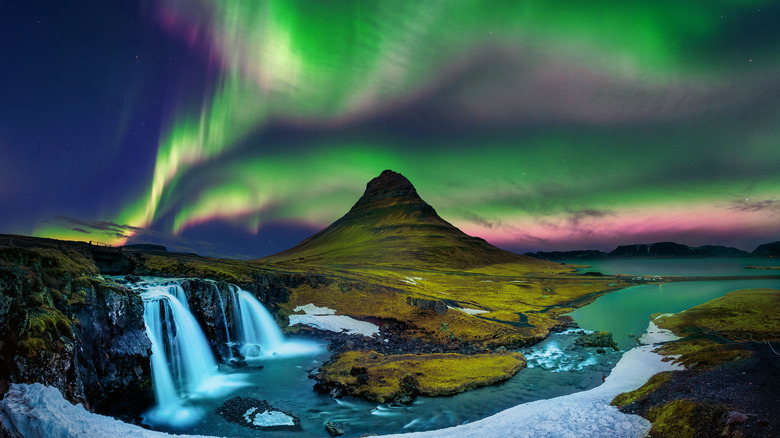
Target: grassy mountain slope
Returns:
[[391, 226]]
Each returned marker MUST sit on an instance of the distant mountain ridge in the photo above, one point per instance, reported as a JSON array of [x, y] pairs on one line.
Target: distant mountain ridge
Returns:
[[390, 225], [661, 250], [768, 250]]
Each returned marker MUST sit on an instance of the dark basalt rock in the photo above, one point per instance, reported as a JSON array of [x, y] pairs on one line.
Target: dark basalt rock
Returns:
[[63, 326], [334, 429], [243, 410], [438, 306], [597, 339], [112, 349]]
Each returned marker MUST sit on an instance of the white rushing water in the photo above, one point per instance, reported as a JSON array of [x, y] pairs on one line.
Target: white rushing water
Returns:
[[183, 365], [28, 409], [259, 333], [176, 328]]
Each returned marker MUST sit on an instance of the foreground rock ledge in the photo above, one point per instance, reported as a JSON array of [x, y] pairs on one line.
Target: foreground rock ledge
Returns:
[[39, 411]]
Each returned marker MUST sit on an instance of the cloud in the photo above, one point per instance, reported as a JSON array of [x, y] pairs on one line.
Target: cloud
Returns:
[[481, 220], [576, 217], [770, 205], [103, 227]]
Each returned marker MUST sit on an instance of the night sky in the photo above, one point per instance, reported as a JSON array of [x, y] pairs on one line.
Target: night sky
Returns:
[[238, 128]]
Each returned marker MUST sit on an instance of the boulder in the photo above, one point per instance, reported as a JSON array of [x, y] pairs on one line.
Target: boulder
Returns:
[[334, 429], [597, 339], [438, 306]]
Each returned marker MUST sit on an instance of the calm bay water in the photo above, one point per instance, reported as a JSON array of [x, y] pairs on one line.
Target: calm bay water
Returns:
[[680, 267], [626, 313]]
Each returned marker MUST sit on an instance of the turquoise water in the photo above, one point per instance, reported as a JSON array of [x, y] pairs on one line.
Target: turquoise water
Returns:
[[284, 383], [682, 267], [555, 366], [626, 313]]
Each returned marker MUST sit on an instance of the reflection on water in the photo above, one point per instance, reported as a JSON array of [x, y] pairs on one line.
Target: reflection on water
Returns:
[[681, 267], [626, 312]]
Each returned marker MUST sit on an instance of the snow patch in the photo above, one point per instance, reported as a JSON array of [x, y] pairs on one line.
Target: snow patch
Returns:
[[656, 335], [324, 318], [270, 419], [412, 280], [39, 411], [582, 414], [311, 309], [470, 311]]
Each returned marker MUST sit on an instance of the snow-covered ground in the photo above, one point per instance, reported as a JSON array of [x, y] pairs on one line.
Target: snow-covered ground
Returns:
[[582, 414], [39, 411], [324, 318], [469, 310]]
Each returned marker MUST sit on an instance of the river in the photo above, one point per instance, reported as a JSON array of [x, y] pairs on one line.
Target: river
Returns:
[[555, 368]]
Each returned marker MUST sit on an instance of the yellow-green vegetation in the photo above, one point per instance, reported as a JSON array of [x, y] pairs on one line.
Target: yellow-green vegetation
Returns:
[[431, 374], [181, 265], [522, 305], [49, 260], [713, 333], [520, 309], [711, 329], [743, 315], [651, 385], [78, 295], [44, 328], [687, 419], [701, 353]]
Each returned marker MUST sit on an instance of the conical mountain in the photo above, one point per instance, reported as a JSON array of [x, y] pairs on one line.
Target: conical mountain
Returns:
[[391, 226]]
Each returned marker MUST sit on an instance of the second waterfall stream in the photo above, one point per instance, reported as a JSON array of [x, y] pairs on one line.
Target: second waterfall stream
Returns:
[[184, 366]]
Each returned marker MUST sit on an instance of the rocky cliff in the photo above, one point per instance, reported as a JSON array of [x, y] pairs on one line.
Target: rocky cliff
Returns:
[[63, 325]]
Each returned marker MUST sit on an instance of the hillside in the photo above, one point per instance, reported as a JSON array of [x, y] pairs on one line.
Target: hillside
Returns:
[[391, 226]]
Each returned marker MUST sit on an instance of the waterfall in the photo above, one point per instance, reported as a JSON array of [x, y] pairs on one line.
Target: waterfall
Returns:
[[260, 336], [164, 389], [182, 362], [229, 344], [183, 365]]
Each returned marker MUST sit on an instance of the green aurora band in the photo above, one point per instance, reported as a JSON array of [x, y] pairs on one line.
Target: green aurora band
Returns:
[[534, 123]]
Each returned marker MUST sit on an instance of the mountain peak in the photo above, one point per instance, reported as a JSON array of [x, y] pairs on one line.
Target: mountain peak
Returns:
[[391, 225], [389, 187]]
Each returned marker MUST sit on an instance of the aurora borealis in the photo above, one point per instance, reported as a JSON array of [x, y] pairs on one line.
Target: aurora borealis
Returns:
[[240, 127]]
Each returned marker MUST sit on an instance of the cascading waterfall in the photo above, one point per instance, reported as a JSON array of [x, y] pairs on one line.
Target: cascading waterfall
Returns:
[[224, 321], [260, 336], [183, 365], [180, 342]]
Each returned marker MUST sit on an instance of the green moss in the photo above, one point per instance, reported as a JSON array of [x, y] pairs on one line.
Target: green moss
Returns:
[[433, 374], [743, 315], [651, 385], [31, 347], [702, 353], [49, 324], [163, 265], [687, 419], [77, 297], [171, 265]]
